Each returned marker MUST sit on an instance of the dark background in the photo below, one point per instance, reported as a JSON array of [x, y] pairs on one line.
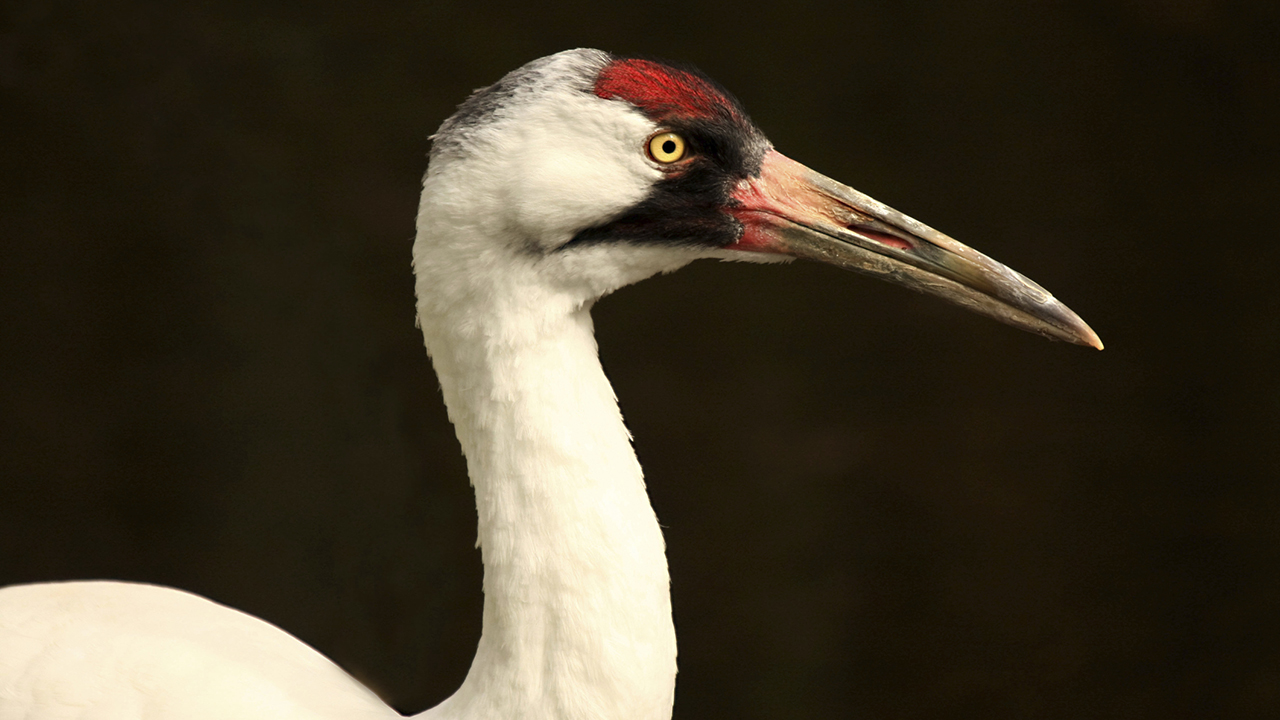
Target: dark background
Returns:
[[876, 505]]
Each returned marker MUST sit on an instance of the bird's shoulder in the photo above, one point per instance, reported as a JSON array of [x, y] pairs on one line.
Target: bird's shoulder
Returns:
[[126, 650]]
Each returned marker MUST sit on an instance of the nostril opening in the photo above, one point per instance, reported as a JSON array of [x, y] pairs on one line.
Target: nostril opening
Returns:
[[882, 238]]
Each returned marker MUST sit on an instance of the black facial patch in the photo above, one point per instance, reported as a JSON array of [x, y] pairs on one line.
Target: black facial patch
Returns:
[[686, 207]]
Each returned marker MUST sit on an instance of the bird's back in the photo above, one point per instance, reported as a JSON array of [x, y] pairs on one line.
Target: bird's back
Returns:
[[123, 651]]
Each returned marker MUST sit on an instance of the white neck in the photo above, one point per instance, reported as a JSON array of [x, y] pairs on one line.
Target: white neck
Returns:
[[577, 612]]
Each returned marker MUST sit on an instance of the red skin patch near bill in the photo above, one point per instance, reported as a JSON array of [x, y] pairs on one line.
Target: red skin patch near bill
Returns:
[[660, 91], [756, 237], [784, 196]]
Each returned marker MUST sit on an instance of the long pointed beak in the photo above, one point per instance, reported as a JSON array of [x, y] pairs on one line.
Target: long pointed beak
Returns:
[[795, 211]]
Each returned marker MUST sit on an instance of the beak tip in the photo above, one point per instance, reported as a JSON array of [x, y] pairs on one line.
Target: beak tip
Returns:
[[1081, 333], [1052, 319]]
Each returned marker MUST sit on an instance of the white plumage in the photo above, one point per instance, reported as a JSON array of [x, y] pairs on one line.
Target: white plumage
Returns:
[[126, 651], [540, 198]]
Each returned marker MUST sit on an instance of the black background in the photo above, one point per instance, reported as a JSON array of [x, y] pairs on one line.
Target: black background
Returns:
[[876, 505]]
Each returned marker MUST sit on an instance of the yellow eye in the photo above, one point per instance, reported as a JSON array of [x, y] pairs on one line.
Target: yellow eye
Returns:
[[666, 147]]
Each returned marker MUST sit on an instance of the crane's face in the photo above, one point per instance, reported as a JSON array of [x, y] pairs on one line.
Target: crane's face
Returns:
[[588, 172], [570, 154], [557, 175]]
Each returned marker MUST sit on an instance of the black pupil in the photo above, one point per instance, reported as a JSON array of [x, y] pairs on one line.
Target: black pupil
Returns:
[[669, 147]]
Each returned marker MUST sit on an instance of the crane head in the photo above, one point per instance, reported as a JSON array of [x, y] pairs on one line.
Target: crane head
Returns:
[[583, 171]]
